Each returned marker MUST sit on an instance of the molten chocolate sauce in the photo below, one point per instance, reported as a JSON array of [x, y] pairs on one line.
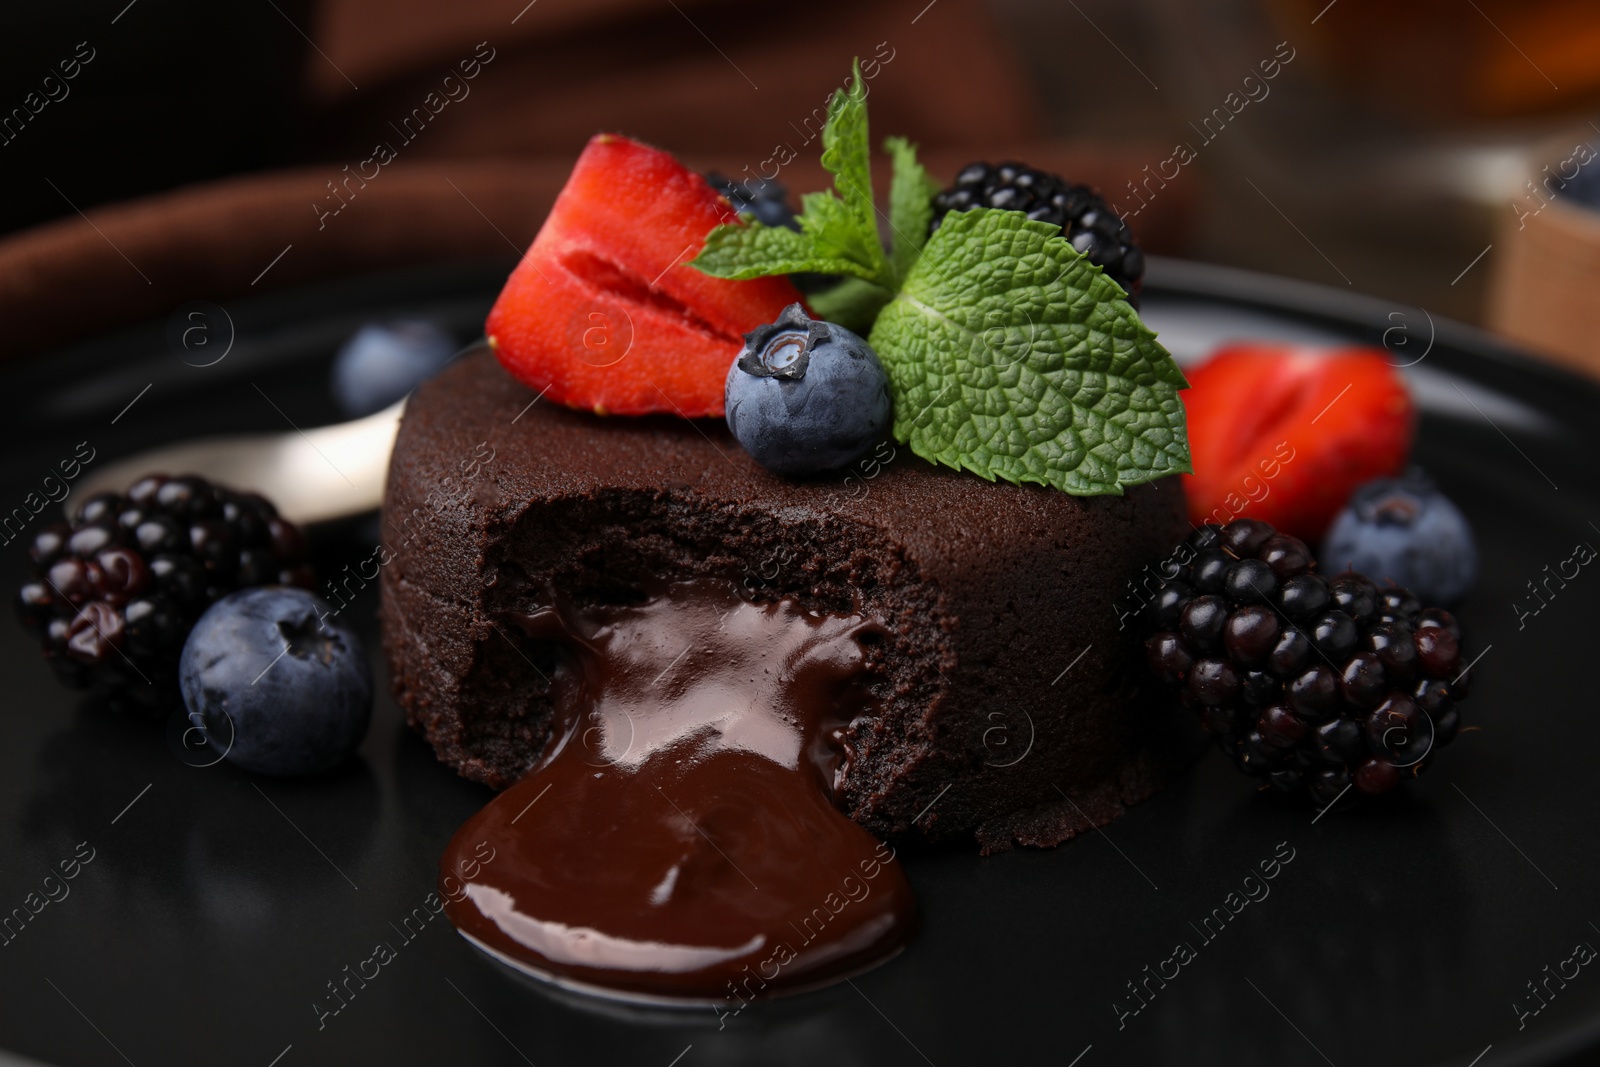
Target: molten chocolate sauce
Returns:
[[678, 840]]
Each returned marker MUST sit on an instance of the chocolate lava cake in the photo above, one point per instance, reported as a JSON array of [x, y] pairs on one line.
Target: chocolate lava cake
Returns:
[[1010, 707]]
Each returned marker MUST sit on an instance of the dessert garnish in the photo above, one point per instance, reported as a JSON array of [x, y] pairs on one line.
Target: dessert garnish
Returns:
[[1316, 684], [277, 682], [1087, 222], [806, 396], [114, 592], [1009, 353], [1404, 530], [604, 312], [1285, 433]]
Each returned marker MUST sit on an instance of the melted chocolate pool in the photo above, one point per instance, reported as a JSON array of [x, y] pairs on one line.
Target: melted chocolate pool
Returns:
[[679, 839]]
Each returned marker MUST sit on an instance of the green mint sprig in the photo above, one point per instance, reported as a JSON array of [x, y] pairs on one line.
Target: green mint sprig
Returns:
[[1012, 356], [1008, 353], [838, 227]]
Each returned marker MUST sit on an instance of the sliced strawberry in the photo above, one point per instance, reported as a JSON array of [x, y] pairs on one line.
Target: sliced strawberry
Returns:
[[605, 313], [1286, 433]]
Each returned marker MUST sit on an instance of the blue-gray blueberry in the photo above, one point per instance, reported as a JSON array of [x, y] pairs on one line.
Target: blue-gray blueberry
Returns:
[[806, 396], [384, 361], [1405, 531], [276, 682]]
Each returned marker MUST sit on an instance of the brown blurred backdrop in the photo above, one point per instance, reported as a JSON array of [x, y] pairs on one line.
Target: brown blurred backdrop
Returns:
[[1362, 144]]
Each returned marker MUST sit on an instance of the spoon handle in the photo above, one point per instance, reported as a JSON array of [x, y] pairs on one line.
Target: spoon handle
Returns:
[[330, 472]]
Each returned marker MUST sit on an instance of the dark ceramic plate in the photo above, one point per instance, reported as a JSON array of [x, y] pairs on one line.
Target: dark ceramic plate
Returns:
[[218, 908]]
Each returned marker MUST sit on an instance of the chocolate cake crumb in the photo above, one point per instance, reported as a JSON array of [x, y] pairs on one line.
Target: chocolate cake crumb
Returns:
[[1014, 705]]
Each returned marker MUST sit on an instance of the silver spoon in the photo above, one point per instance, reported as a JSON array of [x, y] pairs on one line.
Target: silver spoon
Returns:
[[331, 472]]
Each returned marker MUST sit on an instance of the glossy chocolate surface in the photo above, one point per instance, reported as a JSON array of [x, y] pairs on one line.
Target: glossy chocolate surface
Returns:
[[679, 839]]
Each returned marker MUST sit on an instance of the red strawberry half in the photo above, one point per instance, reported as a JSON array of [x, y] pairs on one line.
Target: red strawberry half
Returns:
[[1286, 433], [605, 313]]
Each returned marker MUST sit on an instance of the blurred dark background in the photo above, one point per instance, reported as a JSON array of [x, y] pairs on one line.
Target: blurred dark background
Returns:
[[1391, 145]]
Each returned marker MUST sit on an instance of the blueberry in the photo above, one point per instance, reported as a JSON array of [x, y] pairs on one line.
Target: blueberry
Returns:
[[386, 360], [806, 396], [1405, 531], [276, 684]]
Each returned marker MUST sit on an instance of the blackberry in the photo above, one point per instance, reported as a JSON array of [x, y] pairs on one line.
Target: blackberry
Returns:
[[1315, 684], [113, 594], [1086, 220], [766, 200]]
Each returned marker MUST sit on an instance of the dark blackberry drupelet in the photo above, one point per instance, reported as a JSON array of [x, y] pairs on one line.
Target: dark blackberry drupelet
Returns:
[[1316, 685], [1086, 220], [113, 594]]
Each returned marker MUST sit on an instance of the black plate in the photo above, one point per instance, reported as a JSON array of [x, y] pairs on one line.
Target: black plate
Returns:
[[218, 907]]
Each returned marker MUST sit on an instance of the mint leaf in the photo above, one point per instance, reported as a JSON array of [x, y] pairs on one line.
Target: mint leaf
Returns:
[[854, 303], [911, 194], [838, 229], [830, 225], [752, 250], [848, 221], [1012, 356]]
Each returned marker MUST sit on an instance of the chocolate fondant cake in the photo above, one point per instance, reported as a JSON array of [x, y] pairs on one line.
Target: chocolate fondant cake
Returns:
[[1006, 701], [719, 670]]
